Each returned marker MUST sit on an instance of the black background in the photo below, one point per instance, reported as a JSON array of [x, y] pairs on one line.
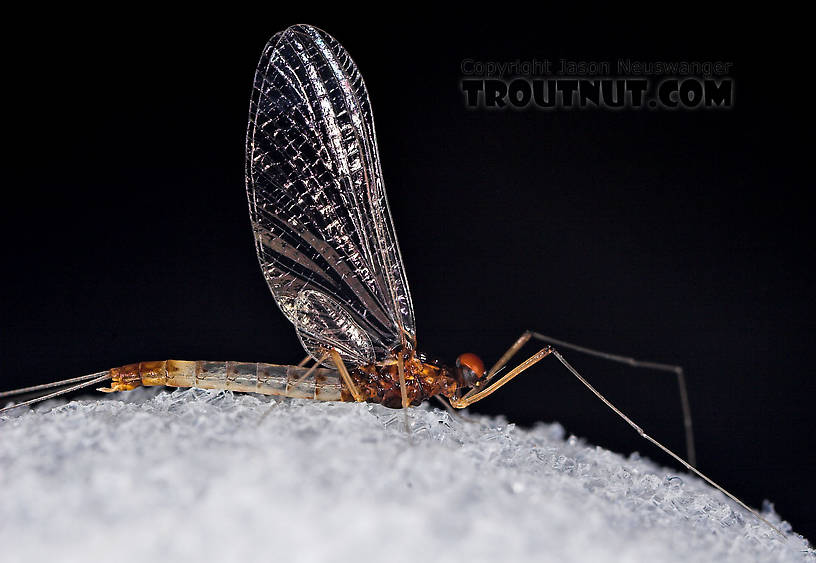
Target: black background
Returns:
[[679, 237]]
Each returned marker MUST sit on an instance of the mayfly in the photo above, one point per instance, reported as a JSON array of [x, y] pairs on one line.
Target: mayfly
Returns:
[[327, 248]]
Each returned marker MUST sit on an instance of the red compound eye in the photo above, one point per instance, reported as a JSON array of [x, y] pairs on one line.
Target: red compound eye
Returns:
[[472, 363]]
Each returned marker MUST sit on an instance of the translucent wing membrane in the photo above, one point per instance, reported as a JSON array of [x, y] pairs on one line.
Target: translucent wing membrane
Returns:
[[323, 230]]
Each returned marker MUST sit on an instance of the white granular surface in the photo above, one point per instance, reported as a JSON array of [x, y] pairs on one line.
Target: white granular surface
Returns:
[[192, 476]]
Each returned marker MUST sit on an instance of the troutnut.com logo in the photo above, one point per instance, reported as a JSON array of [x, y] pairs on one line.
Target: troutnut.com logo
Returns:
[[566, 84]]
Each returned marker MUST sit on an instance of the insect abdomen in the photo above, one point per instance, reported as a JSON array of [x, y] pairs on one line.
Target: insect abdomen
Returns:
[[246, 377]]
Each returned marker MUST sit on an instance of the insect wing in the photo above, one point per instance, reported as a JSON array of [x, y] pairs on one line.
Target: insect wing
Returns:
[[323, 230]]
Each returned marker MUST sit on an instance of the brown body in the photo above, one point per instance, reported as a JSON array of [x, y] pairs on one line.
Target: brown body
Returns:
[[377, 383]]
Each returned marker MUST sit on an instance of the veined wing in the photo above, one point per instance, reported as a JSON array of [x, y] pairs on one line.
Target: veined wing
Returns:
[[323, 229]]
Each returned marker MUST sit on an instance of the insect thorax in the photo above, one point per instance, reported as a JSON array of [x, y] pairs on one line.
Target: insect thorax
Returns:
[[379, 383]]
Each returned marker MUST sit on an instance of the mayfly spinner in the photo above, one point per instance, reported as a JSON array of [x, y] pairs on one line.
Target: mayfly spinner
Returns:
[[328, 250]]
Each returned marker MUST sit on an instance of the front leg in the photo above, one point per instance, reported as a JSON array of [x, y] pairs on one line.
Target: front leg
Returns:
[[475, 395], [677, 370], [479, 393], [507, 356]]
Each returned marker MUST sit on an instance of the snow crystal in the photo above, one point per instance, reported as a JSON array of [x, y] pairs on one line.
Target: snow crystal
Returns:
[[195, 475]]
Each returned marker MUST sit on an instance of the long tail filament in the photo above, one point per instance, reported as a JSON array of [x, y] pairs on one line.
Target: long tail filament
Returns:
[[84, 381]]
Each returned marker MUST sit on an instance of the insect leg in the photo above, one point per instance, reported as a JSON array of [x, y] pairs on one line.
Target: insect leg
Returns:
[[677, 370], [681, 379], [512, 351], [477, 394], [453, 412], [403, 388], [404, 394], [446, 405], [313, 368], [338, 361], [309, 372], [471, 397], [643, 434]]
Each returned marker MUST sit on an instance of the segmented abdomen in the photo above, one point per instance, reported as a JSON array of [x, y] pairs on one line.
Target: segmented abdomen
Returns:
[[247, 377]]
